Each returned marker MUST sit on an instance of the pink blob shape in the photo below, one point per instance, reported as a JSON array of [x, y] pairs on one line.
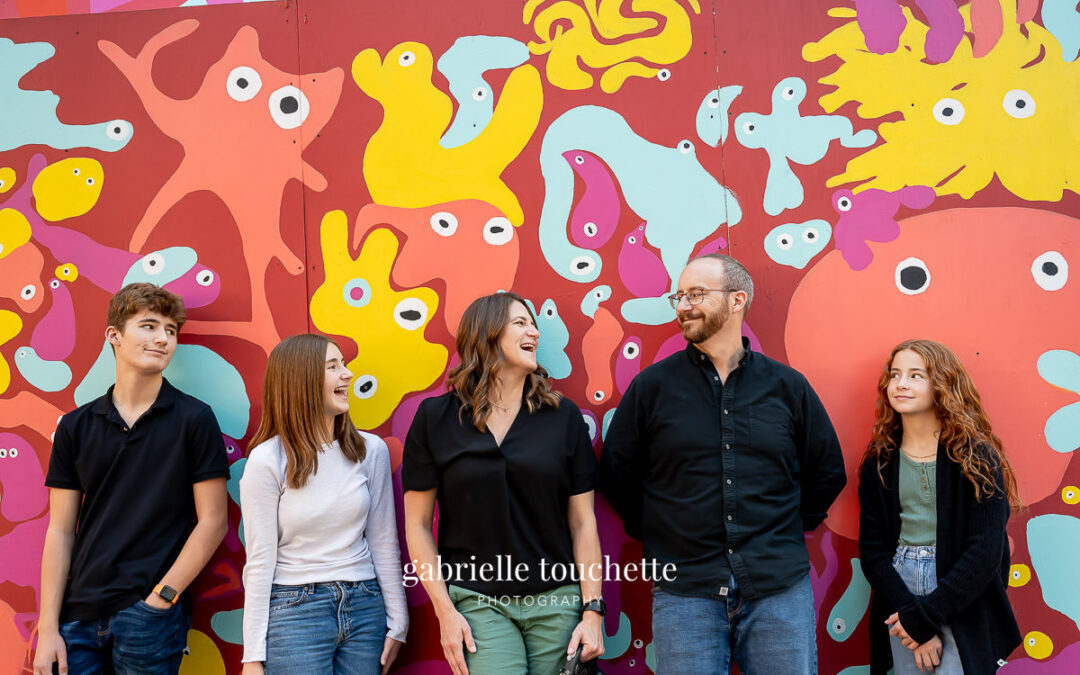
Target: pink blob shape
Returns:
[[20, 553], [627, 363], [987, 24], [1062, 664], [596, 215], [946, 29], [22, 479], [54, 336], [641, 270], [199, 286], [671, 345], [871, 216], [881, 23]]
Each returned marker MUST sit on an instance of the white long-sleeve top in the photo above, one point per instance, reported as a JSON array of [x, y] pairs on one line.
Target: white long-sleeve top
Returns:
[[339, 527]]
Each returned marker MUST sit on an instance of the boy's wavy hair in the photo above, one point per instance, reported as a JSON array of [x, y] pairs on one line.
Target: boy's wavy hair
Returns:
[[476, 377], [965, 427]]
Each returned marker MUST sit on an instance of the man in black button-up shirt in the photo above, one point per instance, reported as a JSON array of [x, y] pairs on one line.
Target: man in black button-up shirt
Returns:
[[719, 459]]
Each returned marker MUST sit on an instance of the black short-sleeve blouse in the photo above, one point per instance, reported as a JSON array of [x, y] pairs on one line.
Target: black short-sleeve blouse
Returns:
[[503, 526]]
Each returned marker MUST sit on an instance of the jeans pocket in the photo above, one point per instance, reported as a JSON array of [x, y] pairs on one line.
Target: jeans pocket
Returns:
[[150, 609], [369, 587], [287, 597]]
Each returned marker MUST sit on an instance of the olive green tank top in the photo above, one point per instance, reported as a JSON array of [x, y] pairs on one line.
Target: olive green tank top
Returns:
[[918, 502]]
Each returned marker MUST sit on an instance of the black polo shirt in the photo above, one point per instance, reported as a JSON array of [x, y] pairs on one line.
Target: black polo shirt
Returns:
[[722, 477], [138, 507], [501, 505]]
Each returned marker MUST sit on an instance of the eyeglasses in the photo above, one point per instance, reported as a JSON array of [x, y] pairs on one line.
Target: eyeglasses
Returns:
[[696, 296]]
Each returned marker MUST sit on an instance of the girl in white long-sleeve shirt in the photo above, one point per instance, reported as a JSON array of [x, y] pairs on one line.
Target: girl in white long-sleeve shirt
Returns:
[[322, 583]]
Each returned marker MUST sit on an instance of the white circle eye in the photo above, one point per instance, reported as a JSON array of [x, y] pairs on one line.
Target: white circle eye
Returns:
[[230, 449], [663, 74], [1015, 574], [1018, 103], [631, 240], [3, 453], [480, 93], [843, 204], [788, 93], [748, 127], [714, 102], [90, 180], [28, 292], [1050, 271], [912, 276], [204, 278], [686, 147], [549, 312], [243, 83], [411, 313], [365, 386], [54, 284], [810, 235], [785, 242], [153, 264], [498, 231], [444, 223], [949, 111], [406, 59], [631, 351], [582, 265], [839, 625], [119, 130], [590, 229], [289, 107], [599, 395], [578, 159], [76, 171], [13, 453], [591, 424]]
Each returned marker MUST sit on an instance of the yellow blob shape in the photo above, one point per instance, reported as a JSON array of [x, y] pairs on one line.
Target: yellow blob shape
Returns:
[[1070, 494], [68, 188], [67, 272], [356, 300], [987, 116], [10, 325], [1019, 575], [567, 47], [405, 166], [14, 231], [1038, 645], [7, 179], [204, 657]]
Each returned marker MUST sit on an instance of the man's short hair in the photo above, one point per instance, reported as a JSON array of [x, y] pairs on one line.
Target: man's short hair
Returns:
[[735, 276], [138, 297]]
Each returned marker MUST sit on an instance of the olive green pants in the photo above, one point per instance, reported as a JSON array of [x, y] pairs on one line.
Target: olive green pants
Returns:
[[519, 634]]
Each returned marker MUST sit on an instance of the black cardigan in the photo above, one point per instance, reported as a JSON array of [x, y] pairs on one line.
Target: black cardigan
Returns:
[[972, 567]]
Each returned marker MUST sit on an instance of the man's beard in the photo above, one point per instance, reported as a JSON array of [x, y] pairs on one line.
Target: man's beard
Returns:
[[711, 325]]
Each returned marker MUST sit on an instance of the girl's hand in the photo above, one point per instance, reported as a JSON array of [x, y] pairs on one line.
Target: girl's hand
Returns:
[[897, 630], [389, 653], [928, 654], [253, 668]]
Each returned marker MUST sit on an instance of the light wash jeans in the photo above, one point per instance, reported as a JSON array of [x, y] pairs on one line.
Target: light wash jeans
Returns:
[[336, 628], [917, 566], [137, 640], [767, 636]]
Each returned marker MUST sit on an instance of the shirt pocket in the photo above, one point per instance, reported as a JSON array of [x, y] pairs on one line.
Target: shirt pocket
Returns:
[[772, 430]]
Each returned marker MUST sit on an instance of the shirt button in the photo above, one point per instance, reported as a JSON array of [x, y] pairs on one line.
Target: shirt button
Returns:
[[730, 551], [728, 481], [715, 377], [125, 428], [730, 517], [727, 446], [725, 411]]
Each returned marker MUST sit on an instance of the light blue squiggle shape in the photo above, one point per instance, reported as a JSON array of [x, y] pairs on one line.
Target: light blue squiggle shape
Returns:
[[617, 644], [1054, 545], [1061, 368], [795, 244], [1062, 20], [229, 625], [195, 370], [236, 472], [712, 114], [650, 657], [680, 202], [606, 423], [554, 337], [30, 115], [785, 135], [41, 374], [851, 607], [464, 65], [162, 267], [591, 302]]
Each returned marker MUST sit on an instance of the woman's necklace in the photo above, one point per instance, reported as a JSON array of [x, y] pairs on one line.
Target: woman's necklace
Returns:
[[913, 456], [504, 408]]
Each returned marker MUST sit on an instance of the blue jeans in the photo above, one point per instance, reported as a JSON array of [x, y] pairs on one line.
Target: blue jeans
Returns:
[[765, 636], [333, 628], [917, 566], [137, 640]]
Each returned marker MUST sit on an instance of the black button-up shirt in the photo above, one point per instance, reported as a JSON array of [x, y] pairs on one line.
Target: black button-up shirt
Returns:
[[722, 477], [501, 505]]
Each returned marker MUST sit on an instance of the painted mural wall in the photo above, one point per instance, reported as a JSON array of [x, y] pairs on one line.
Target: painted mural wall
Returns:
[[885, 168]]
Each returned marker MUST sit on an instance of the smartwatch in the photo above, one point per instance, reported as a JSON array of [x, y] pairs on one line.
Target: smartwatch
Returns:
[[595, 605], [167, 593]]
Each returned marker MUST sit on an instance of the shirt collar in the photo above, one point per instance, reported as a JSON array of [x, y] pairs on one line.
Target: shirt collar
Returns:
[[165, 399], [702, 359]]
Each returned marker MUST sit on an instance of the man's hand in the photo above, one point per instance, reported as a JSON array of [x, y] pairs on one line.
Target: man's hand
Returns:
[[897, 630], [590, 634], [454, 630], [50, 650], [928, 654], [389, 653], [157, 602]]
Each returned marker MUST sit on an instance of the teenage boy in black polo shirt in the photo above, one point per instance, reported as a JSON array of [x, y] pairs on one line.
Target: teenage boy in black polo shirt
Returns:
[[128, 472]]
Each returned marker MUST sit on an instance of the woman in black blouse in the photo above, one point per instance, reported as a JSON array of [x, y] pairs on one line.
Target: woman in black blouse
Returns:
[[516, 578], [934, 495]]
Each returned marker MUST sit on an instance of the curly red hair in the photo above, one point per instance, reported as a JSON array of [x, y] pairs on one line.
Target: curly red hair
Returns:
[[965, 429]]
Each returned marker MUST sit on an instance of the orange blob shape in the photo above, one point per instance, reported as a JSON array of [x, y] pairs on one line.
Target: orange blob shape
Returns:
[[20, 277], [597, 347]]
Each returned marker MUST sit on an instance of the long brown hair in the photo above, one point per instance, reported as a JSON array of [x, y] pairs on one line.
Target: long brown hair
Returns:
[[476, 377], [965, 427], [293, 408]]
